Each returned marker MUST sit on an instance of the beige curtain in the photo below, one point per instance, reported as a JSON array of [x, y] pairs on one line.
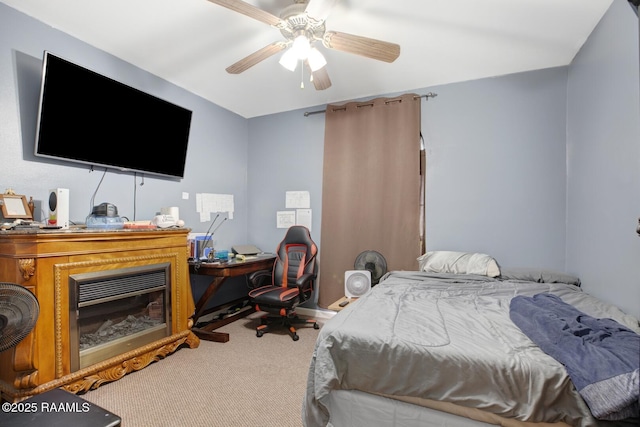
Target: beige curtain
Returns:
[[371, 195]]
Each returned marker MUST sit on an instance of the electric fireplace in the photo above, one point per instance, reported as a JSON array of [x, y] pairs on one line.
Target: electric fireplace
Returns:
[[114, 311]]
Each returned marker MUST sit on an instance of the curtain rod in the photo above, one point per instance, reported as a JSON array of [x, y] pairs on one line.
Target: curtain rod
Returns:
[[426, 96]]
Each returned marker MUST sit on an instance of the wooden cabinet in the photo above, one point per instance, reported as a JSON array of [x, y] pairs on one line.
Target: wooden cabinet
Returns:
[[43, 261]]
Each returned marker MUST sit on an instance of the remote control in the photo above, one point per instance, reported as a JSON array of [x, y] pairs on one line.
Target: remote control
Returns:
[[343, 303]]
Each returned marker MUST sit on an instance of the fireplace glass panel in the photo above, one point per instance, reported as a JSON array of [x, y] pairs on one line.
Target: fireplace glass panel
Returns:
[[118, 311]]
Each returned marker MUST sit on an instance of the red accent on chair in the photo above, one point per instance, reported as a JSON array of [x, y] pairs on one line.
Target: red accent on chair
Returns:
[[292, 279]]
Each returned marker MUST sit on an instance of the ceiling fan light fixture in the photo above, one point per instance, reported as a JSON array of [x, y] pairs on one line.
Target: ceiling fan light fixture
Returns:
[[301, 46], [289, 60], [316, 59]]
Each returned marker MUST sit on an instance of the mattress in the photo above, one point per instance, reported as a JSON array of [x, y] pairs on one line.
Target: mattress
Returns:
[[449, 338], [355, 408]]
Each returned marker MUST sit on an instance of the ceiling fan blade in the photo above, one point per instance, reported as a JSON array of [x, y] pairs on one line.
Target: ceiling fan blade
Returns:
[[321, 80], [364, 46], [320, 9], [260, 55], [249, 10]]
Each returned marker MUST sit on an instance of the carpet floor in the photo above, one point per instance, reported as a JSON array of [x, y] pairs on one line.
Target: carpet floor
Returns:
[[247, 381]]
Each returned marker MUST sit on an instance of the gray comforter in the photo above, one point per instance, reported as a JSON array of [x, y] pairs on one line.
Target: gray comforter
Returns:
[[449, 338]]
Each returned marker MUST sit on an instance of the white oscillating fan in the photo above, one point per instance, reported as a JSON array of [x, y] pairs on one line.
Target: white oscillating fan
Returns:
[[356, 283]]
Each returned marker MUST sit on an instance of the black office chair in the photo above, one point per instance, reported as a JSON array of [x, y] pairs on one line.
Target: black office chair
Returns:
[[290, 283]]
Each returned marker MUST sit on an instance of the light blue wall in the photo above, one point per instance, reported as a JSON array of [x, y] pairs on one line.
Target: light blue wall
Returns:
[[216, 161], [495, 168], [603, 142], [285, 154]]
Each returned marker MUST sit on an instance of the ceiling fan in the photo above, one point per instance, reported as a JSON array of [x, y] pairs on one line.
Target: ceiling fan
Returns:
[[302, 24]]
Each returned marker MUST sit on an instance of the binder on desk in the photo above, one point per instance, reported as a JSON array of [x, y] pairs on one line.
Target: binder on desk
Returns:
[[198, 242]]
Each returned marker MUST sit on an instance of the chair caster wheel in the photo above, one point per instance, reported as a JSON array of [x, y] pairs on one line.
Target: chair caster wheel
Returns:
[[259, 334], [316, 326], [295, 337]]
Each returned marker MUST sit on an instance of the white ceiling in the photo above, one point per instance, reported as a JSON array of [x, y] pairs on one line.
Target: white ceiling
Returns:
[[191, 42]]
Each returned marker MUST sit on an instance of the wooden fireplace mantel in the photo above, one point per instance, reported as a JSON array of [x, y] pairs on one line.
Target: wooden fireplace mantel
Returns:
[[43, 260]]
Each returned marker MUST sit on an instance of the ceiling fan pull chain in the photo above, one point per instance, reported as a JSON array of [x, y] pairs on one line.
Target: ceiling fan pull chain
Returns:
[[301, 74]]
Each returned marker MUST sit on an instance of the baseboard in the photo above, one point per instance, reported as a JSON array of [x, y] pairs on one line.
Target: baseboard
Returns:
[[315, 313]]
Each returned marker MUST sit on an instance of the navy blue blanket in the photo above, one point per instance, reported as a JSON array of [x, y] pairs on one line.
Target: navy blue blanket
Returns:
[[601, 356]]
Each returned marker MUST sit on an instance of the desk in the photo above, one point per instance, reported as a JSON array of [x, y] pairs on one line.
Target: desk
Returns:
[[220, 272]]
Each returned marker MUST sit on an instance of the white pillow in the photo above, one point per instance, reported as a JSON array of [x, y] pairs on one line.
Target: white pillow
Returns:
[[459, 263]]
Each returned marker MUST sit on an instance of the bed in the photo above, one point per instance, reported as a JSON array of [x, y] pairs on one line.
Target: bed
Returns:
[[446, 346]]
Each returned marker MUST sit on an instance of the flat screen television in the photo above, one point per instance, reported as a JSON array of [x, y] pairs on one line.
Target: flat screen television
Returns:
[[89, 118]]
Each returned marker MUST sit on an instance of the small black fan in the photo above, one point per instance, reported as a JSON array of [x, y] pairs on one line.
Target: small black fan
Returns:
[[19, 310], [374, 262]]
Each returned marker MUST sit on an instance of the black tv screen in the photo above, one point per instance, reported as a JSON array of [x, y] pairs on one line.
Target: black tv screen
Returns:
[[89, 118]]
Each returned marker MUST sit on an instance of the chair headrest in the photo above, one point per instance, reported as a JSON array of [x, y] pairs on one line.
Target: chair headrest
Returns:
[[298, 234]]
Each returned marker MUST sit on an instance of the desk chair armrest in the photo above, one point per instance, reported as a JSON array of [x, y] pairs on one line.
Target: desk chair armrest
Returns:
[[305, 279], [260, 278], [304, 283]]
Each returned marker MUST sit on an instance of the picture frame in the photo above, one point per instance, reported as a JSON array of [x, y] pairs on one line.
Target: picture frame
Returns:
[[15, 206]]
